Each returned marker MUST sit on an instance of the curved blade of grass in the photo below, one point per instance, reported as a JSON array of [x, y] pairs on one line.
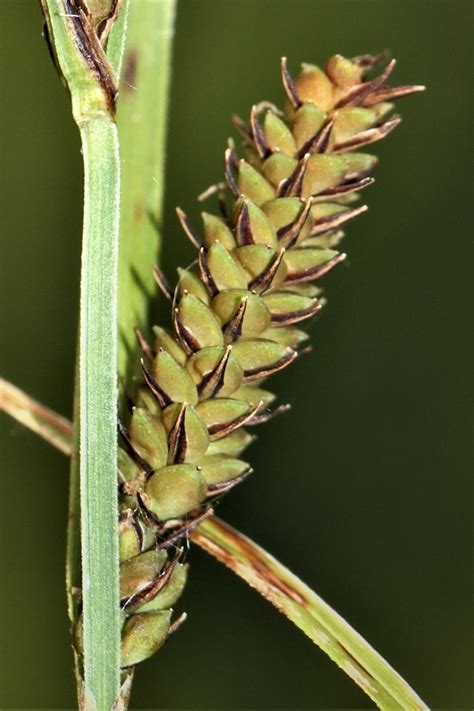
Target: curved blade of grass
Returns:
[[38, 418], [261, 571], [92, 85], [309, 612]]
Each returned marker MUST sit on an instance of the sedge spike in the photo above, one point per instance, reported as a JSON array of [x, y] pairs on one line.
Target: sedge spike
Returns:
[[236, 320]]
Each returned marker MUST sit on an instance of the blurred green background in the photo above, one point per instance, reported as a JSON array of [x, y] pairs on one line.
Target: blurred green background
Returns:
[[363, 488]]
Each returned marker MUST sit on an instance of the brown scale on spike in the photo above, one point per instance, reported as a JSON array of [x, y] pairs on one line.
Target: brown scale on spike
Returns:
[[163, 283], [263, 281], [205, 273], [243, 227], [234, 315], [144, 345], [177, 440], [160, 395], [188, 230], [293, 185], [233, 329], [319, 142], [213, 382]]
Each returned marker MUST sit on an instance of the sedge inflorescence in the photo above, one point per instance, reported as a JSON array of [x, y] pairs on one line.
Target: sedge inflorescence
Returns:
[[236, 320]]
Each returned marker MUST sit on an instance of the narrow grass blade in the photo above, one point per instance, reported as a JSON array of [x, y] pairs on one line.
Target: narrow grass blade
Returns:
[[264, 573], [309, 612], [38, 418], [141, 119]]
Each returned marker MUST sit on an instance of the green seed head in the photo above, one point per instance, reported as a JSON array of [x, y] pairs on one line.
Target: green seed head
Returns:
[[138, 575], [170, 593], [196, 324], [149, 438], [216, 371], [143, 635], [173, 380], [236, 319], [253, 185], [130, 535], [217, 468], [278, 135], [174, 491], [187, 434], [215, 230]]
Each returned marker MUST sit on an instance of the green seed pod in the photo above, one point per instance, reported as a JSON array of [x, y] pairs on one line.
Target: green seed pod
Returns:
[[217, 468], [252, 227], [147, 401], [324, 210], [143, 635], [260, 358], [225, 271], [196, 326], [140, 577], [224, 415], [215, 230], [305, 264], [192, 284], [284, 212], [278, 135], [130, 535], [165, 340], [128, 469], [306, 289], [173, 381], [322, 172], [381, 110], [253, 185], [358, 165], [308, 121], [233, 445], [175, 491], [289, 336], [256, 317], [278, 167], [313, 85], [187, 433], [149, 438], [254, 395], [252, 157], [287, 308], [170, 593], [343, 72], [350, 121], [216, 372], [262, 264]]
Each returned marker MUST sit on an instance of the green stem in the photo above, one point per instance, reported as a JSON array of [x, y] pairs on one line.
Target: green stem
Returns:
[[98, 411], [91, 82]]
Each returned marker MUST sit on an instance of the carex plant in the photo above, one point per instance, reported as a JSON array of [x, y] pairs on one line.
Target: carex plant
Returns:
[[236, 318]]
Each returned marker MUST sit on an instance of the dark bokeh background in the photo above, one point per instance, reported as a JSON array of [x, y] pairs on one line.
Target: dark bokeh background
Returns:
[[363, 489]]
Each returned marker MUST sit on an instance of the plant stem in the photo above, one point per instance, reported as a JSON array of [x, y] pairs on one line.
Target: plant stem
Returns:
[[91, 82], [98, 411]]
